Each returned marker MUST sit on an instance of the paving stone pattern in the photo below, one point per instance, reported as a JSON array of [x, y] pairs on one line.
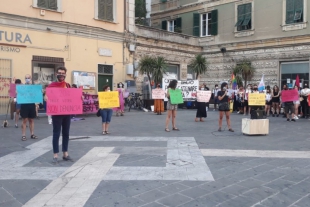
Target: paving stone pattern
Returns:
[[27, 175]]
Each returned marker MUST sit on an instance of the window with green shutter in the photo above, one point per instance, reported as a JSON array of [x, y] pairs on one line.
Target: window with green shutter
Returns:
[[196, 24], [244, 20], [164, 25], [105, 10], [47, 4], [178, 25], [294, 11], [214, 22], [209, 23]]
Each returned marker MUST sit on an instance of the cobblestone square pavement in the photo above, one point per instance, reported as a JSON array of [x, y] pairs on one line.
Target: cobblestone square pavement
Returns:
[[139, 164]]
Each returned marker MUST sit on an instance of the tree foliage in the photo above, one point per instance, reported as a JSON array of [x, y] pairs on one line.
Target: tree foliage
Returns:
[[199, 65], [244, 70], [153, 67]]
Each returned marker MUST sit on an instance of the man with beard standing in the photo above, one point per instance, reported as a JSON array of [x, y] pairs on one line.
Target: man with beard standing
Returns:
[[28, 113], [61, 122]]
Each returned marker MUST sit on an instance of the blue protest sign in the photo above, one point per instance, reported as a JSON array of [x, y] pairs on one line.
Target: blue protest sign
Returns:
[[29, 94]]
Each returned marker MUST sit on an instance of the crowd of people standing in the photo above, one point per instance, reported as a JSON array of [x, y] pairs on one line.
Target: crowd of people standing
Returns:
[[274, 104]]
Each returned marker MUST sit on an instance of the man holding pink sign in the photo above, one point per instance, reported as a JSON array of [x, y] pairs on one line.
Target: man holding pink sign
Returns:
[[288, 97], [62, 102]]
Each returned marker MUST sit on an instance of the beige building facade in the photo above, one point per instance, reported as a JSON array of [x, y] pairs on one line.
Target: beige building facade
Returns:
[[92, 40]]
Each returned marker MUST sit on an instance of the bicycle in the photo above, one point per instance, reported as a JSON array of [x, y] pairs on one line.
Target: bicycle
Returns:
[[135, 101]]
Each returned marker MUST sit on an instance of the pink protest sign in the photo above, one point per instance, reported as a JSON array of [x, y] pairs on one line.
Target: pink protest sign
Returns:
[[12, 90], [203, 96], [90, 103], [289, 95], [158, 93], [64, 101]]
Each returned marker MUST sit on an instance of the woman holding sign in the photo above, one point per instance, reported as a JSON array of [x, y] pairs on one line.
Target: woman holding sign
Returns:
[[158, 103], [106, 115], [201, 109], [171, 108], [224, 107]]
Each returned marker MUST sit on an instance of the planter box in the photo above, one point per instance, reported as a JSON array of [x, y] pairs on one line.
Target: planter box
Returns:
[[255, 126]]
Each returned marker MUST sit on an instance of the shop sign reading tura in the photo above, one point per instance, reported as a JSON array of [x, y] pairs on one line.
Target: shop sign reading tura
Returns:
[[12, 37]]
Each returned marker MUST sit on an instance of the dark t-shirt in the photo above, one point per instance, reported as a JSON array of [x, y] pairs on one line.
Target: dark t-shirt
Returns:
[[221, 93]]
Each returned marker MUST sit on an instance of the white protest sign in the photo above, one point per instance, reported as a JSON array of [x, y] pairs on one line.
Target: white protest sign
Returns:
[[203, 96], [158, 93], [230, 92], [189, 88]]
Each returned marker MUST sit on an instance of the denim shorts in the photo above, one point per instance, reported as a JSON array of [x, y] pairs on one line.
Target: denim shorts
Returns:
[[18, 106], [106, 115]]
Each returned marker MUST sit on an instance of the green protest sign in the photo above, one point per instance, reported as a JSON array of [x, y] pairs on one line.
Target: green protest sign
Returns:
[[176, 96]]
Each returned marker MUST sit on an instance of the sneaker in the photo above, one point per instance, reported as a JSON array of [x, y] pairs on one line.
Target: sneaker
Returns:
[[293, 120], [16, 126], [287, 119], [277, 115], [68, 158], [49, 122], [55, 160], [272, 115], [296, 117]]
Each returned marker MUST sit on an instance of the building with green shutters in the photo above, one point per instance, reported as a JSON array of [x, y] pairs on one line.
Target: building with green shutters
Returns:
[[273, 35]]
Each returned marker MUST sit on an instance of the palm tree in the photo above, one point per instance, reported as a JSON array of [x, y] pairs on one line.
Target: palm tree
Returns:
[[160, 67], [245, 70], [199, 65], [146, 66], [239, 80]]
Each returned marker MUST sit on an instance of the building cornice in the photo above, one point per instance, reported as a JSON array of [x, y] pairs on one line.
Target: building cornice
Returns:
[[59, 27], [188, 8], [163, 35], [168, 50], [259, 44]]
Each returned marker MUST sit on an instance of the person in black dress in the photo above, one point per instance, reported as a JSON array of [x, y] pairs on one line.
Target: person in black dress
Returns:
[[224, 107], [201, 109], [275, 101]]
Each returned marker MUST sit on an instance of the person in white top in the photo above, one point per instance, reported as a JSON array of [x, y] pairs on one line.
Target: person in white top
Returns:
[[215, 91], [305, 92], [268, 102], [240, 99], [296, 103], [246, 98]]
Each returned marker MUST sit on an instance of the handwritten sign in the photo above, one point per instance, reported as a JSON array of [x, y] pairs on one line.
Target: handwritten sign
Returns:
[[158, 93], [176, 96], [257, 99], [5, 83], [90, 103], [203, 96], [12, 90], [108, 99], [289, 95], [189, 88], [29, 94], [64, 101]]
